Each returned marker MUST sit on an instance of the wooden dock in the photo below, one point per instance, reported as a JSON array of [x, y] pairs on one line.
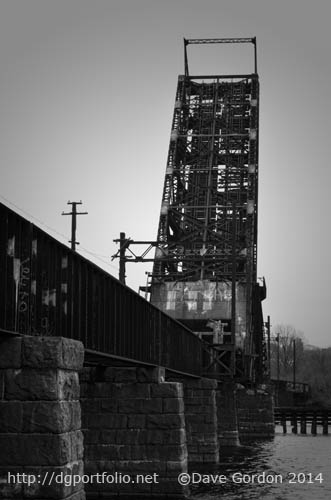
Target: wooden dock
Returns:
[[303, 419]]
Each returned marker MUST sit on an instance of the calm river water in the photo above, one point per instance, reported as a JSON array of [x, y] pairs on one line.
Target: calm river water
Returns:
[[290, 467]]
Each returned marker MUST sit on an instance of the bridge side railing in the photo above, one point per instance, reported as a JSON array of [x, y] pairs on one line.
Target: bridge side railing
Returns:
[[49, 290]]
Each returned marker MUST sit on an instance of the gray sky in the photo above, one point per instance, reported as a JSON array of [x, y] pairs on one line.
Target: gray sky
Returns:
[[86, 96]]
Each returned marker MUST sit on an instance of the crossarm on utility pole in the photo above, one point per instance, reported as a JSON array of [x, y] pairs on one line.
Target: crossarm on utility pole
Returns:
[[74, 214]]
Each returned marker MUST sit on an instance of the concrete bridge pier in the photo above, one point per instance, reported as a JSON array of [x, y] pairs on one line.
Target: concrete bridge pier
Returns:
[[40, 439]]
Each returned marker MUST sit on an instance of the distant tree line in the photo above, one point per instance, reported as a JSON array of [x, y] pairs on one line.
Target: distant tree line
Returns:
[[291, 358]]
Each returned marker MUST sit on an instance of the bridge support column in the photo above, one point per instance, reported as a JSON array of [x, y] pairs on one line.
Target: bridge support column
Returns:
[[228, 434], [134, 430], [40, 439], [201, 419], [255, 413]]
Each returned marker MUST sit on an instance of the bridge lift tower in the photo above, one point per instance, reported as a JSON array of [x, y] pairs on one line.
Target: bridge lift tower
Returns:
[[204, 267]]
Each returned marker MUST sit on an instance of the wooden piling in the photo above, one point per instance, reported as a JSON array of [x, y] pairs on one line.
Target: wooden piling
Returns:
[[325, 424], [314, 425], [303, 424], [283, 423]]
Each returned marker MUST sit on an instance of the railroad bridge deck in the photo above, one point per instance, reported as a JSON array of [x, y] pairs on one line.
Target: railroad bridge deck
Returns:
[[49, 290]]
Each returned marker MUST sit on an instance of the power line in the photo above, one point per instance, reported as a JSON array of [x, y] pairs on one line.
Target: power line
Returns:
[[63, 236]]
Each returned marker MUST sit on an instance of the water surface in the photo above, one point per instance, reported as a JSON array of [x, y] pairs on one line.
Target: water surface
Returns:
[[294, 465]]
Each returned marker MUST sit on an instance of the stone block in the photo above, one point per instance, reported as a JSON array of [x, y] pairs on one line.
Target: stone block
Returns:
[[109, 452], [107, 405], [11, 489], [92, 436], [173, 452], [68, 383], [77, 445], [140, 453], [139, 467], [122, 436], [194, 418], [108, 374], [173, 405], [52, 352], [136, 421], [175, 436], [154, 436], [151, 374], [51, 416], [125, 374], [131, 391], [10, 352], [11, 416], [79, 495], [90, 405], [176, 467], [192, 383], [2, 383], [28, 384], [211, 419], [106, 421], [35, 449], [56, 481], [86, 374], [147, 406], [167, 390], [207, 448], [210, 457], [209, 384], [165, 421], [72, 354], [197, 427]]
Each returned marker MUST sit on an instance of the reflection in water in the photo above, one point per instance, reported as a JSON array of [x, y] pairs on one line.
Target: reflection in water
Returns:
[[293, 464]]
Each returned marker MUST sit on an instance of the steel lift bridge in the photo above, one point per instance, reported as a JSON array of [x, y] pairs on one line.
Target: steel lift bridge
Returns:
[[204, 266]]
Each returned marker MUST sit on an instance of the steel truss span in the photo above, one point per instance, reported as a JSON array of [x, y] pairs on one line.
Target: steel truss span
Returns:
[[208, 221]]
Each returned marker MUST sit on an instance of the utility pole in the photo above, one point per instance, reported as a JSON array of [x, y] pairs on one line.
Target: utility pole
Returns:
[[74, 214], [278, 357], [269, 351], [294, 364], [123, 247], [233, 291], [278, 368]]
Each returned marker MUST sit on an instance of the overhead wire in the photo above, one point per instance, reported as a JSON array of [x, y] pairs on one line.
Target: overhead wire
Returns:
[[25, 212]]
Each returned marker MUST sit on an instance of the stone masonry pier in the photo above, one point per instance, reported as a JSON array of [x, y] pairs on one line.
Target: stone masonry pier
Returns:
[[59, 420], [200, 419], [133, 424], [227, 420], [40, 418], [255, 408]]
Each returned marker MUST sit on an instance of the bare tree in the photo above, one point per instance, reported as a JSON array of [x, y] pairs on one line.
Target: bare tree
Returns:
[[287, 352]]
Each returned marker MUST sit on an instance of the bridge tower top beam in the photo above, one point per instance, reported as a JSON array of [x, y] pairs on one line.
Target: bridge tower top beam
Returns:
[[203, 41]]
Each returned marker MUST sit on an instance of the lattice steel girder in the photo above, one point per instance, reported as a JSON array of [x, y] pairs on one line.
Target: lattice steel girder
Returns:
[[210, 189], [219, 40], [204, 41]]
